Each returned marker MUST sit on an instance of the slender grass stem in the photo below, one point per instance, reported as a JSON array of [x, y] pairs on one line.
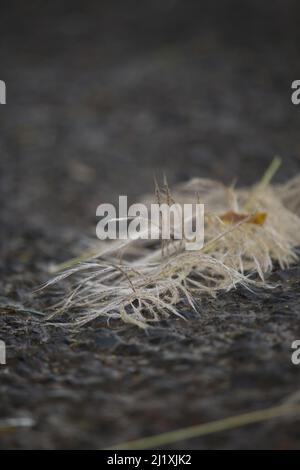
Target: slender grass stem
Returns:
[[226, 424]]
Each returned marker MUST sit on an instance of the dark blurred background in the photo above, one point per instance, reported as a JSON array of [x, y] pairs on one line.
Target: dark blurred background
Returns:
[[100, 94]]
